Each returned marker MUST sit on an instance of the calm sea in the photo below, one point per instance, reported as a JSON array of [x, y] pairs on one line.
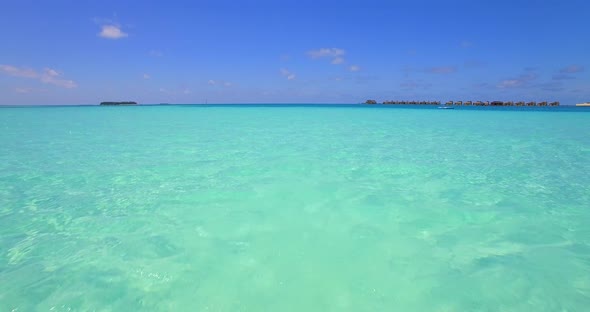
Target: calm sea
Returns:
[[294, 208]]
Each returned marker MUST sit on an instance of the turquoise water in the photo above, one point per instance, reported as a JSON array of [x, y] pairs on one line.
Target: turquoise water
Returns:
[[174, 208]]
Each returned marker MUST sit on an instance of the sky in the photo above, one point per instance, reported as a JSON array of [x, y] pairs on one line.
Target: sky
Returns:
[[85, 52]]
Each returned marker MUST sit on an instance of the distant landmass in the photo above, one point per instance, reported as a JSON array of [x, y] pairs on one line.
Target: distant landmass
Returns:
[[118, 103]]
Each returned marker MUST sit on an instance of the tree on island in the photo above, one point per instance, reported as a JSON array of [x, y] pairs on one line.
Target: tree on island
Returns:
[[371, 102], [118, 103]]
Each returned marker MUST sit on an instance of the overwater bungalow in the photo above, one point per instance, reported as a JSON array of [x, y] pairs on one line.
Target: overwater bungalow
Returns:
[[458, 103]]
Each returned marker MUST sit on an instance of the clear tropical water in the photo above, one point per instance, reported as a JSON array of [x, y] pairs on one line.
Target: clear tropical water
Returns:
[[185, 208]]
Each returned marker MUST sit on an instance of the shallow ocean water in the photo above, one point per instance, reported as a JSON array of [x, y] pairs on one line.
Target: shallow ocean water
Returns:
[[294, 208]]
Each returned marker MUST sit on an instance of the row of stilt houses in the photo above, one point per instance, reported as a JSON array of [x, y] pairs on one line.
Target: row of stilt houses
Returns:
[[468, 103]]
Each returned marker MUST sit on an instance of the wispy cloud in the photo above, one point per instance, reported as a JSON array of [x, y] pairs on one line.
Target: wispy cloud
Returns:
[[473, 64], [18, 72], [338, 60], [581, 90], [146, 76], [568, 73], [354, 68], [466, 44], [414, 84], [22, 90], [336, 54], [481, 85], [562, 77], [326, 52], [48, 75], [441, 70], [26, 90], [212, 82], [156, 53], [112, 32], [572, 69], [289, 75], [523, 80], [554, 86]]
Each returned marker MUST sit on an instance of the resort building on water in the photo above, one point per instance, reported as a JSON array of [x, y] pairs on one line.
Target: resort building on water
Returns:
[[471, 103]]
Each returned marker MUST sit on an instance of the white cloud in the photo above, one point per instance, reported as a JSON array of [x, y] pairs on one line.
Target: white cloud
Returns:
[[338, 60], [51, 72], [414, 85], [48, 75], [18, 72], [521, 81], [53, 77], [441, 70], [326, 52], [354, 68], [146, 76], [156, 53], [466, 44], [289, 75], [572, 69], [212, 82], [22, 90], [510, 83], [112, 32], [335, 54]]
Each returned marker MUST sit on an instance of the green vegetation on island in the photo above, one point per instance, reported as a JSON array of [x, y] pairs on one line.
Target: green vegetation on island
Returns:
[[118, 103]]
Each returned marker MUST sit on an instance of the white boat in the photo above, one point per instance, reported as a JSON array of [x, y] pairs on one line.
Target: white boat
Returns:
[[446, 107]]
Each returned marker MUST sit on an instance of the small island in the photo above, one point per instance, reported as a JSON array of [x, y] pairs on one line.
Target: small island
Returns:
[[118, 103]]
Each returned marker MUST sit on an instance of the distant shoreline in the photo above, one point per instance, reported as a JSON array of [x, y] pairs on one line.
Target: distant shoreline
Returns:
[[563, 107], [119, 103]]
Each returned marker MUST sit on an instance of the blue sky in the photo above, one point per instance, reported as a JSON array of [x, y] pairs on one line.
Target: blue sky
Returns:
[[84, 52]]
